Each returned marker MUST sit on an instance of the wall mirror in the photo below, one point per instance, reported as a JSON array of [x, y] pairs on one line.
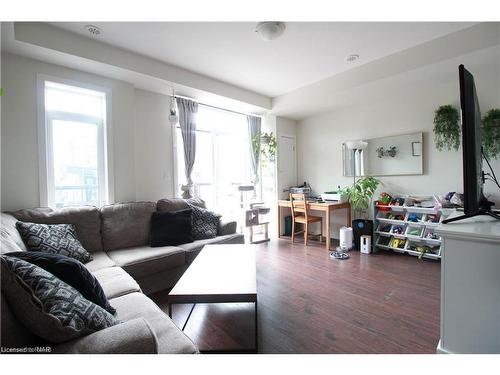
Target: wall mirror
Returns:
[[384, 156]]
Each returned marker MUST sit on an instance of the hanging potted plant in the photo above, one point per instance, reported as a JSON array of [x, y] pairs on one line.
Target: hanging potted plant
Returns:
[[267, 143], [491, 134], [446, 128]]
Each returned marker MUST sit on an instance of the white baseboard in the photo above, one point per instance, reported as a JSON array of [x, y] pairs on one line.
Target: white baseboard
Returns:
[[441, 350]]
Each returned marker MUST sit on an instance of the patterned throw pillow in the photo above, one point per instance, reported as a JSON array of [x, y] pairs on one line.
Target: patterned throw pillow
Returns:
[[53, 239], [48, 307], [205, 223], [70, 271]]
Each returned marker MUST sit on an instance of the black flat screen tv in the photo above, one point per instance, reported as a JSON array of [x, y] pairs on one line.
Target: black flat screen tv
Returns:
[[475, 203]]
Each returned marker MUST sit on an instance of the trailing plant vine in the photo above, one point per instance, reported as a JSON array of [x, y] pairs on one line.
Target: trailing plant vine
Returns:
[[267, 144], [491, 134], [446, 128]]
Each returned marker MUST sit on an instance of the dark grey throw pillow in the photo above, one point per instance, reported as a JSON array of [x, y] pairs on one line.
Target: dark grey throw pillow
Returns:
[[53, 239], [171, 228], [48, 307], [70, 271], [205, 223]]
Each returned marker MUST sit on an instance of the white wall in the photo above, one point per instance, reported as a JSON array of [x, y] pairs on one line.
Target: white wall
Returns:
[[20, 187], [154, 165], [410, 108], [141, 135], [284, 127]]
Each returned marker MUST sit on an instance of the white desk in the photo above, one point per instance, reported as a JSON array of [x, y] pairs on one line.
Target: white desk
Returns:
[[470, 286]]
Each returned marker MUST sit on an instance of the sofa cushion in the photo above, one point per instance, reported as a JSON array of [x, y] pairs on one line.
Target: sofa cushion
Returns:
[[227, 227], [101, 260], [134, 336], [53, 239], [10, 238], [116, 282], [205, 223], [86, 219], [171, 228], [192, 249], [48, 307], [70, 271], [162, 280], [170, 338], [14, 333], [176, 204], [126, 224], [143, 260]]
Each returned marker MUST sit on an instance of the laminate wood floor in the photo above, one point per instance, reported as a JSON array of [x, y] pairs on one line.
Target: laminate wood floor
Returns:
[[309, 303]]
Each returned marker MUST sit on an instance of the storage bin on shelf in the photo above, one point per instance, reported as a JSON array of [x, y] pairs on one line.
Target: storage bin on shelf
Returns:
[[384, 229], [415, 217], [393, 217], [430, 235], [414, 231], [398, 230], [397, 243], [420, 248]]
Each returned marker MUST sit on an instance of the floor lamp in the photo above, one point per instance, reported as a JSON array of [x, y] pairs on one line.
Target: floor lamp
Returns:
[[355, 146]]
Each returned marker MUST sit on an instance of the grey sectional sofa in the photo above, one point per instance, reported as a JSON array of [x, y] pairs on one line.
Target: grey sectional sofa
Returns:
[[127, 268]]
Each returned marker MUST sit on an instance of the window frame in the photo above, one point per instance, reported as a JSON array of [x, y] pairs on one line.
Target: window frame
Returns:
[[45, 149]]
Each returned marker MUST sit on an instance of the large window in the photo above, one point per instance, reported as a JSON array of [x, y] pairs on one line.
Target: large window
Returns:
[[74, 138], [222, 159]]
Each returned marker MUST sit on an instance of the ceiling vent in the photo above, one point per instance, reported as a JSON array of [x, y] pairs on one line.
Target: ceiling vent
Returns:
[[352, 58], [93, 30], [270, 30]]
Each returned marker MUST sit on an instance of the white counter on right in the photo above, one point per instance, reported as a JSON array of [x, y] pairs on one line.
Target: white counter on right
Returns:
[[470, 286]]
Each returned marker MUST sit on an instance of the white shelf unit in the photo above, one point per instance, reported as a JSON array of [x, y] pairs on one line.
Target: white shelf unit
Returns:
[[409, 226]]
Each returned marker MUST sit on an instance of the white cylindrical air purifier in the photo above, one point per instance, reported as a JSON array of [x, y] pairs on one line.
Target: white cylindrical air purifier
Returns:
[[366, 244], [346, 238]]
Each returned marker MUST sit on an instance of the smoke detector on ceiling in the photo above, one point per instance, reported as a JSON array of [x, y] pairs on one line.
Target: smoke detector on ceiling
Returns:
[[270, 30], [352, 58], [93, 30]]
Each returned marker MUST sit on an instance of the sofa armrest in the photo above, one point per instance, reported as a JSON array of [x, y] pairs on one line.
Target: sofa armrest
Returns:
[[225, 228], [133, 336]]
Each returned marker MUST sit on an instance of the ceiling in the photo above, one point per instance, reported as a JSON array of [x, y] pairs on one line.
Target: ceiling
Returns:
[[231, 52]]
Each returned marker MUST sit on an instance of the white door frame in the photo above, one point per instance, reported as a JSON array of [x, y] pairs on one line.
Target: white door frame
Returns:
[[294, 139]]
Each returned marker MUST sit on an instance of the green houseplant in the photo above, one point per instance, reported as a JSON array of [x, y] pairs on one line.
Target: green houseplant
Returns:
[[267, 144], [360, 194], [491, 134], [446, 128]]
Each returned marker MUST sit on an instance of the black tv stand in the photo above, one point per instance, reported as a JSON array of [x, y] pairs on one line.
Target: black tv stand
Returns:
[[466, 216]]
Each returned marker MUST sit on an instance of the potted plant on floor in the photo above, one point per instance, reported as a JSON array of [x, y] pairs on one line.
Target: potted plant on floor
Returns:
[[360, 196]]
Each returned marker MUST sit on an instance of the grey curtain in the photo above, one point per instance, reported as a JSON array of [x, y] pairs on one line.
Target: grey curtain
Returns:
[[254, 134], [187, 121]]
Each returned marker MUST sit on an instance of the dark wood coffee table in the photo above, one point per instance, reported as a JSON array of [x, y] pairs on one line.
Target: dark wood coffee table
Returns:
[[219, 274]]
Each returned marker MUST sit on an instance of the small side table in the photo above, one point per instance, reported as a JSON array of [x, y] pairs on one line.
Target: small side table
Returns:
[[257, 216]]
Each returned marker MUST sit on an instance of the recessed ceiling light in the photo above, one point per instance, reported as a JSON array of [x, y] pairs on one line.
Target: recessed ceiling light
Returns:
[[270, 30], [93, 30], [352, 58]]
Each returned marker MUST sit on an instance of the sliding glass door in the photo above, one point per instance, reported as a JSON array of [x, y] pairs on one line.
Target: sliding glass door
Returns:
[[222, 159]]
